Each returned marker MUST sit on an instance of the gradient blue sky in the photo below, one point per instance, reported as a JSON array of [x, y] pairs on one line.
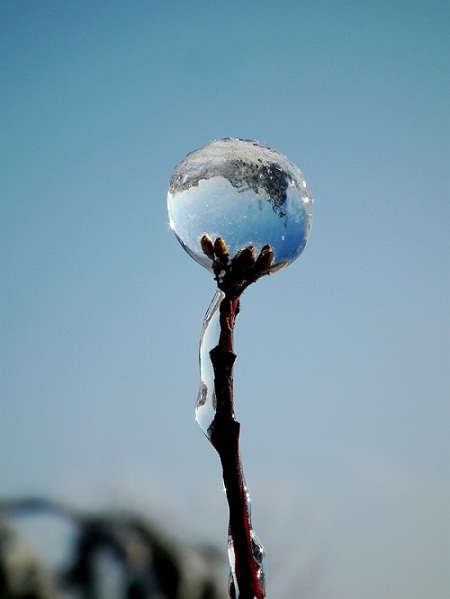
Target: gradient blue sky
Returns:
[[342, 377]]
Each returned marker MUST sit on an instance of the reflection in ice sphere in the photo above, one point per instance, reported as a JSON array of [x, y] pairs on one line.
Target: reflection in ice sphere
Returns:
[[234, 194]]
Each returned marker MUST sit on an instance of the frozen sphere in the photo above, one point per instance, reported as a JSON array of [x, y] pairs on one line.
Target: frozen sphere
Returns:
[[233, 195]]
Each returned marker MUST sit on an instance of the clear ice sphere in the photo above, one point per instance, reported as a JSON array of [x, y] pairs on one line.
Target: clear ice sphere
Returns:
[[243, 193]]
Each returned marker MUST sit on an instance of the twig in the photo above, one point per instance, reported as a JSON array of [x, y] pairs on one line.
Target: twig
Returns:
[[233, 277], [224, 436]]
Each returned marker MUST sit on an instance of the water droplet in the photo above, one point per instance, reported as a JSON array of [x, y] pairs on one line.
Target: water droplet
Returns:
[[236, 194]]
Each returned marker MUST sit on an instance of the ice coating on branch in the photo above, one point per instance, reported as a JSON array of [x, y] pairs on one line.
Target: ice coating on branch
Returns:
[[244, 193], [205, 408], [259, 556]]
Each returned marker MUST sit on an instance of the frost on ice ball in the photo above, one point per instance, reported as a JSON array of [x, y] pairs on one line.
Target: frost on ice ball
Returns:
[[238, 199]]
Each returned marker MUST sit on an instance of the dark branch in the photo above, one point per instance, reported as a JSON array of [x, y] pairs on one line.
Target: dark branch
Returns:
[[233, 276]]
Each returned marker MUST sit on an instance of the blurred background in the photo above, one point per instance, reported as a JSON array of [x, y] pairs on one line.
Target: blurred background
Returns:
[[342, 375]]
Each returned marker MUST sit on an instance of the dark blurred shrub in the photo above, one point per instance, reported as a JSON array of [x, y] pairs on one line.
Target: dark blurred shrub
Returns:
[[112, 556]]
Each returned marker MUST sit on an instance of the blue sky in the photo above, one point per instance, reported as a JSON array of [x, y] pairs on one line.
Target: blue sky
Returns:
[[342, 376]]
